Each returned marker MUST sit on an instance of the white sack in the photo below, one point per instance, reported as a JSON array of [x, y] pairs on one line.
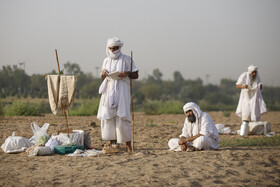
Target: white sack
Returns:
[[76, 138], [15, 144]]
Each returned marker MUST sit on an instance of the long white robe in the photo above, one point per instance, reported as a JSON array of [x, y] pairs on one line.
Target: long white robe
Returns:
[[117, 90], [251, 104], [114, 106], [203, 125]]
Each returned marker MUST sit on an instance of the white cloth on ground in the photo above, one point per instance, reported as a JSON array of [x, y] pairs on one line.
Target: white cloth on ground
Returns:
[[116, 129], [203, 125], [86, 153], [251, 104], [61, 91]]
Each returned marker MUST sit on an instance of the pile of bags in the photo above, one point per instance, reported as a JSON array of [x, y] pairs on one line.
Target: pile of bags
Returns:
[[41, 143]]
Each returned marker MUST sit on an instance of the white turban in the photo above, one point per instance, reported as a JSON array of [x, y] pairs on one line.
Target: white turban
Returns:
[[111, 42], [252, 68], [114, 42]]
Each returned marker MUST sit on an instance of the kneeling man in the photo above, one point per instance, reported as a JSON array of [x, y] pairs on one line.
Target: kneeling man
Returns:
[[199, 131]]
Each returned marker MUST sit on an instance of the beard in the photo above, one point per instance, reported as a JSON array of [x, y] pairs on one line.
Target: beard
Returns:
[[253, 78], [192, 118]]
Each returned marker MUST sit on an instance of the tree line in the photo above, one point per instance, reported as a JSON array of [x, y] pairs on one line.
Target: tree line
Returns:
[[147, 93]]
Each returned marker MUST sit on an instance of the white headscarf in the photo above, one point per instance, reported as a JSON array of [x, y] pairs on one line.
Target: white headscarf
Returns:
[[197, 112], [111, 42], [252, 68], [194, 107]]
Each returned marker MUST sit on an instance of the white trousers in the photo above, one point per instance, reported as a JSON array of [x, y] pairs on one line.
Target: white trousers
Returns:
[[116, 129], [202, 142]]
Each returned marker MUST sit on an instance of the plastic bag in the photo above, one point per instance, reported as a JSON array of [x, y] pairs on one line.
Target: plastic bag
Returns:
[[38, 150], [52, 143], [75, 138], [15, 144], [40, 134]]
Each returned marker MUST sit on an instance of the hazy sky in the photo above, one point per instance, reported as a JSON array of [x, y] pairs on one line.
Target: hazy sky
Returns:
[[220, 38]]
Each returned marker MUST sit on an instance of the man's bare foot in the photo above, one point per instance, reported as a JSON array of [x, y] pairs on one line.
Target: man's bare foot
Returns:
[[112, 142], [190, 149], [184, 147]]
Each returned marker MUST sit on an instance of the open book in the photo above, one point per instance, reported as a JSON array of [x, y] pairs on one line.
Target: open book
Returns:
[[113, 75]]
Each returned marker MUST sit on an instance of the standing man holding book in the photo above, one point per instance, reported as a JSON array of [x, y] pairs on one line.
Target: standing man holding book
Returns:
[[114, 106]]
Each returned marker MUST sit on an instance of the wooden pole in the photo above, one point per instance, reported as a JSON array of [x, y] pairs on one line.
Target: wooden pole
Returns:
[[132, 112], [57, 61], [63, 110]]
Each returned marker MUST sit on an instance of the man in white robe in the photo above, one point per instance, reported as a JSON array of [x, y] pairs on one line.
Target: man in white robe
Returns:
[[114, 106], [199, 131], [251, 104]]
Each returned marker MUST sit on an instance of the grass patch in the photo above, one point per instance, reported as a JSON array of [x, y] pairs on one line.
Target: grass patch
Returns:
[[226, 113], [150, 123], [262, 141]]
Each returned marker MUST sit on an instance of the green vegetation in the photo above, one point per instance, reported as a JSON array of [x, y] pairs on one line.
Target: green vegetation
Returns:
[[22, 109], [151, 95], [262, 141], [163, 107], [2, 112], [86, 108], [150, 124]]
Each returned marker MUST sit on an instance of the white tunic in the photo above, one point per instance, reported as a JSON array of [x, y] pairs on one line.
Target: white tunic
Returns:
[[206, 127], [203, 125], [115, 99], [251, 104]]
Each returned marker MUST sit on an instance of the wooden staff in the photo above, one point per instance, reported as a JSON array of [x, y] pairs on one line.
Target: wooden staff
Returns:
[[63, 110], [57, 61], [132, 112]]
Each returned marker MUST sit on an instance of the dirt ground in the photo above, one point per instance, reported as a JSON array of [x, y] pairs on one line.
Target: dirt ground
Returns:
[[151, 164]]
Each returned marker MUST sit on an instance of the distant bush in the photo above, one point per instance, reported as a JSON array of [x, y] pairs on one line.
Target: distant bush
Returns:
[[2, 111], [85, 109], [22, 109], [44, 107], [163, 107], [206, 106]]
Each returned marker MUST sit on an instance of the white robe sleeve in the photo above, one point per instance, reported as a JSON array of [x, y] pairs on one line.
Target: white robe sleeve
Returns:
[[242, 79], [207, 126], [185, 129], [128, 64], [103, 65]]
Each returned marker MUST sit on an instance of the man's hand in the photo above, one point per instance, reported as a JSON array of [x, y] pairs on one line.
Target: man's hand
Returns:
[[241, 86], [183, 140], [104, 74], [123, 74]]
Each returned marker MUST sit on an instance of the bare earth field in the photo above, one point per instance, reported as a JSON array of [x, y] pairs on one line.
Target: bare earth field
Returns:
[[151, 164]]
